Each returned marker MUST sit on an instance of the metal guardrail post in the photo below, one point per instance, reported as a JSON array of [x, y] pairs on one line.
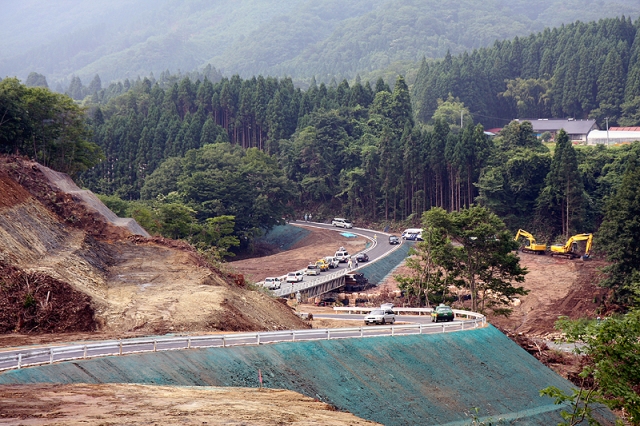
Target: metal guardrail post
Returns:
[[328, 334], [19, 361], [361, 332], [393, 329], [50, 355], [258, 338], [120, 351], [223, 342], [155, 344], [84, 354], [189, 343], [293, 336]]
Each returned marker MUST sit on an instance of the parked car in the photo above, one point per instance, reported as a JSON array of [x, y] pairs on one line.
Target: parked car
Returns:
[[411, 237], [442, 313], [393, 240], [332, 261], [272, 283], [342, 256], [295, 277], [362, 257], [383, 315], [323, 265], [312, 269], [341, 222]]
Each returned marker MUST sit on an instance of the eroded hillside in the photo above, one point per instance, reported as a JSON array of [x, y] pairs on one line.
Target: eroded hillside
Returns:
[[68, 264]]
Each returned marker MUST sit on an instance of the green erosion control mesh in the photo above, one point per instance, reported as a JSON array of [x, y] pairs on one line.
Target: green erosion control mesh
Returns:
[[285, 236], [378, 271], [402, 380]]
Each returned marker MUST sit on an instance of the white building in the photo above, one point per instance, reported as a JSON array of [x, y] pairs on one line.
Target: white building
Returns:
[[614, 136]]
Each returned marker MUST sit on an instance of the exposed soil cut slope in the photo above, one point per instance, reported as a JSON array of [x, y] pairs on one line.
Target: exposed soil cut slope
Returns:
[[60, 248]]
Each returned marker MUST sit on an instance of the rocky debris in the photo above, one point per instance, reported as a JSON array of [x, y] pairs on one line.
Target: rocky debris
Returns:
[[35, 302]]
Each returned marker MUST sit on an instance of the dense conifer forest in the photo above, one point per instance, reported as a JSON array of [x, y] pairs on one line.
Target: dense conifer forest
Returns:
[[261, 150]]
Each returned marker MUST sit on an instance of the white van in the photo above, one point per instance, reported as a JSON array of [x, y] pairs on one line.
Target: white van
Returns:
[[341, 222], [342, 256], [417, 231]]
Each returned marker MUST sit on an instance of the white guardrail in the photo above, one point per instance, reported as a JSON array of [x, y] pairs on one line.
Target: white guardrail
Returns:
[[30, 357]]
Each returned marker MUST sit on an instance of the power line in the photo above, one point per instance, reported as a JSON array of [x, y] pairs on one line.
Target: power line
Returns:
[[508, 120]]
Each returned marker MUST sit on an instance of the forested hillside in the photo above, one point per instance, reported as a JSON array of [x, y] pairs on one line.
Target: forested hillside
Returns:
[[211, 162], [580, 70], [297, 38]]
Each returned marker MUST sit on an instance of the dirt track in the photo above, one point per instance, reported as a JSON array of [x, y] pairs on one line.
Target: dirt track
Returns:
[[139, 404]]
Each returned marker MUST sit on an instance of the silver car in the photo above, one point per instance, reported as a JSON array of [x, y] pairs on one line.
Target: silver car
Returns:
[[380, 316]]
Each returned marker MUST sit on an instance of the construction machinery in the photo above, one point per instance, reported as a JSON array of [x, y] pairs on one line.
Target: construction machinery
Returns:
[[570, 248], [532, 247]]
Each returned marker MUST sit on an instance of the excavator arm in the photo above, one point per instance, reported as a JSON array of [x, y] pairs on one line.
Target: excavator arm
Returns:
[[568, 248]]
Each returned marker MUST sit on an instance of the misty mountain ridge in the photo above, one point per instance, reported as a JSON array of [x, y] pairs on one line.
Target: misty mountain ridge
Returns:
[[298, 38]]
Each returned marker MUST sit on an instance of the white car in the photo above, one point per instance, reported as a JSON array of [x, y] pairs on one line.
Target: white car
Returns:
[[382, 315], [341, 222], [272, 283], [312, 269], [332, 261], [295, 277]]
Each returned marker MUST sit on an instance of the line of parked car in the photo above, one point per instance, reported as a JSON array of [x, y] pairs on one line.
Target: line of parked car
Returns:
[[314, 268]]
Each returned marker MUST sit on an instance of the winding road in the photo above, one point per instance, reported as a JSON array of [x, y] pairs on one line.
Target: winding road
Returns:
[[333, 279]]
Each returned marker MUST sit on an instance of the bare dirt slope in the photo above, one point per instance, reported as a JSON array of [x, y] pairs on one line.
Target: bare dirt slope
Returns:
[[140, 404], [59, 249]]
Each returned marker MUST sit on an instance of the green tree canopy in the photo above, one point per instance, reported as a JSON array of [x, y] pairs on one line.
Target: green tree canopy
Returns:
[[483, 261], [618, 235]]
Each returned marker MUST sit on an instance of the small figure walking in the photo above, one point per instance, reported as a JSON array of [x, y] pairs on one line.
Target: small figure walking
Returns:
[[349, 264], [305, 217], [309, 216], [355, 262]]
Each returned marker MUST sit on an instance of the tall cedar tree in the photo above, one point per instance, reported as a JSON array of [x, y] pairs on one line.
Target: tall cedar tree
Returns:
[[618, 235], [484, 262], [562, 197]]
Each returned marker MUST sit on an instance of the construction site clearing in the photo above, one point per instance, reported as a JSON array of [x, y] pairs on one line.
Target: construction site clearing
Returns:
[[71, 272]]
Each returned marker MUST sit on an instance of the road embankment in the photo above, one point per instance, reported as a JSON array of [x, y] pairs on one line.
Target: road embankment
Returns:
[[425, 379]]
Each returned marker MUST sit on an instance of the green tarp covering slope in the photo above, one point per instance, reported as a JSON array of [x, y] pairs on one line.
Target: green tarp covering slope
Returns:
[[402, 380]]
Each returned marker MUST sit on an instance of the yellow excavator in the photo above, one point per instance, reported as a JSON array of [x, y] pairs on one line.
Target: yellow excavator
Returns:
[[532, 247], [570, 248]]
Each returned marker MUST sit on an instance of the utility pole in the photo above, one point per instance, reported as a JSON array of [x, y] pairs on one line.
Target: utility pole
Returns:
[[607, 120], [461, 113]]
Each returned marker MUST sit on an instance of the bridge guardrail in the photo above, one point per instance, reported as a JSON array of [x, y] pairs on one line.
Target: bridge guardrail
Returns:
[[287, 289], [398, 310], [49, 355]]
